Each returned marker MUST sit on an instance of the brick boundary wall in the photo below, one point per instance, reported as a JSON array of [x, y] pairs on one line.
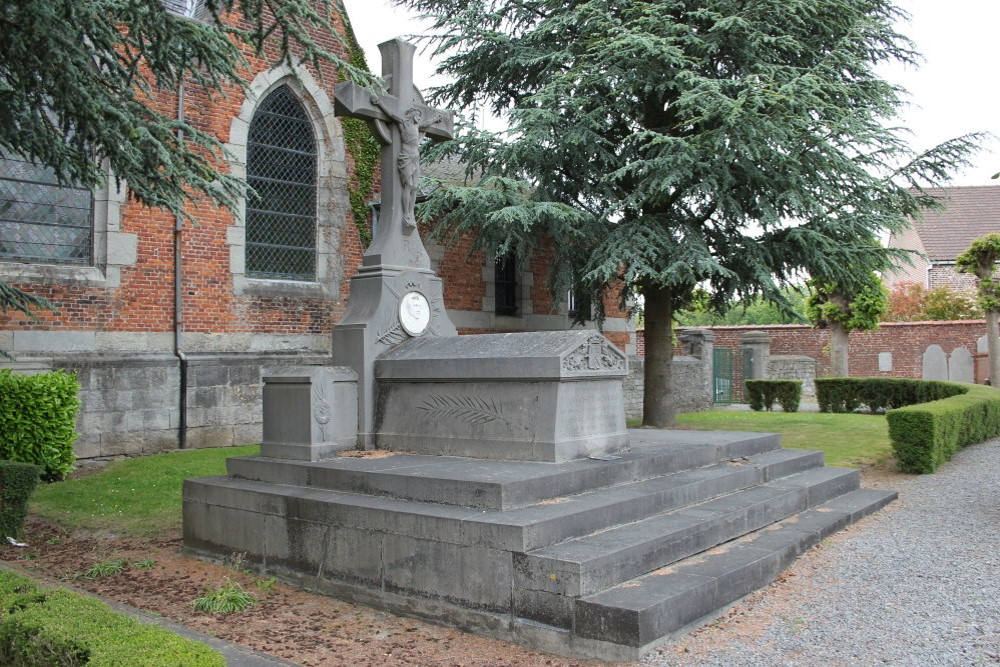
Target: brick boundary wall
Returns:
[[907, 342]]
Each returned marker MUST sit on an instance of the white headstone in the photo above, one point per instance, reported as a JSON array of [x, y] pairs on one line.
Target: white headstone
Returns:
[[885, 361], [982, 347], [935, 363], [960, 368]]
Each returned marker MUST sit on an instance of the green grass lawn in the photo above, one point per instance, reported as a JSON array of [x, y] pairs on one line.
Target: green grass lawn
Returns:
[[847, 439], [140, 496]]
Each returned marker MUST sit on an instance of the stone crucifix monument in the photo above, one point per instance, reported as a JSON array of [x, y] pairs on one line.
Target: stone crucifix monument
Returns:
[[395, 294], [511, 500]]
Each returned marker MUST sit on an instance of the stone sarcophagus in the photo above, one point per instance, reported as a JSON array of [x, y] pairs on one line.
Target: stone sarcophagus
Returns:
[[542, 396]]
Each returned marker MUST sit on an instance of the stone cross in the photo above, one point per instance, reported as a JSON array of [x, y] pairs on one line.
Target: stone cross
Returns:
[[399, 120]]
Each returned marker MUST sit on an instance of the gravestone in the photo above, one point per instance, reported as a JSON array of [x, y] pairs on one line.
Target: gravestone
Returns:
[[960, 367], [395, 294], [935, 366], [885, 362]]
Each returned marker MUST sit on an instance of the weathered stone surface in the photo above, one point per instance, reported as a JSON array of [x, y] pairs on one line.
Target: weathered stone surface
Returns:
[[546, 396], [935, 363], [606, 569], [310, 412], [960, 366]]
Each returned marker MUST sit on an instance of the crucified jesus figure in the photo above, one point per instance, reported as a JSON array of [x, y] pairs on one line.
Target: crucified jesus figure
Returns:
[[411, 127]]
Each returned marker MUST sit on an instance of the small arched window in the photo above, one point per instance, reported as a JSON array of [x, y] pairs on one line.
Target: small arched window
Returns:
[[281, 210]]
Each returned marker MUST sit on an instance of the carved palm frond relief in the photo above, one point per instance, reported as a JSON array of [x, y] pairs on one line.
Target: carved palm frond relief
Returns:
[[467, 409]]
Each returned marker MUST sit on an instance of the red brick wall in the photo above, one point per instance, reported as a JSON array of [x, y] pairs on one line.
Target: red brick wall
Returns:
[[907, 342], [144, 301]]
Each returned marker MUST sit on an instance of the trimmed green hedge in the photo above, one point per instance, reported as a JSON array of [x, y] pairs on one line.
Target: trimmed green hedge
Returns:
[[38, 420], [17, 482], [926, 435], [880, 394], [763, 394], [929, 420], [58, 627]]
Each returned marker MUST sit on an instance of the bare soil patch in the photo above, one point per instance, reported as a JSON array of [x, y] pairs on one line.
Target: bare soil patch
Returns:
[[288, 623]]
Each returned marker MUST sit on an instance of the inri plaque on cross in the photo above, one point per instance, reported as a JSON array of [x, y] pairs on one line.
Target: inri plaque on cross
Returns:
[[399, 120]]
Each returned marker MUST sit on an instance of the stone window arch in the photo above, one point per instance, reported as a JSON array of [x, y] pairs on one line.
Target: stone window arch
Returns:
[[281, 171], [331, 191]]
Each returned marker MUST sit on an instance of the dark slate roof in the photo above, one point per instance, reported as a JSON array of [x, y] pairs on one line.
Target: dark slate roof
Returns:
[[970, 212]]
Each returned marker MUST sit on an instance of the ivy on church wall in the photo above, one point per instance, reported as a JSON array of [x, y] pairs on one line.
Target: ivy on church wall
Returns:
[[362, 146]]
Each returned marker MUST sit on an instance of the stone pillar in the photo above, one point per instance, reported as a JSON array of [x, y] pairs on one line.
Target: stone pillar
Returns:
[[759, 344], [697, 343], [310, 412]]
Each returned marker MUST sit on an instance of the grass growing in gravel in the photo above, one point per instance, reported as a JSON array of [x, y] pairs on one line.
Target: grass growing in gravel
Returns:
[[847, 439], [132, 497]]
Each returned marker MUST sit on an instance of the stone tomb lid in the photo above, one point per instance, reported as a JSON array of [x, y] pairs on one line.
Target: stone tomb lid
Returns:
[[550, 355]]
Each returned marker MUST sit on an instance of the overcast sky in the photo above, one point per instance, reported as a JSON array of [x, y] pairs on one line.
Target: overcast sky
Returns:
[[955, 91]]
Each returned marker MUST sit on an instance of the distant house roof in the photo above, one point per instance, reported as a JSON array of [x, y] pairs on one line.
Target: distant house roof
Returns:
[[970, 212]]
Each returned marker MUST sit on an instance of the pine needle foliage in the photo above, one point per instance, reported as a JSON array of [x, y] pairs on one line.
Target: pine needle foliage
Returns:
[[79, 84], [669, 145]]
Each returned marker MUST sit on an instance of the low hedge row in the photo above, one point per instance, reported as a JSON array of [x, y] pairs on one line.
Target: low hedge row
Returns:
[[929, 420], [880, 394], [763, 394], [926, 435], [39, 626], [17, 482], [38, 420]]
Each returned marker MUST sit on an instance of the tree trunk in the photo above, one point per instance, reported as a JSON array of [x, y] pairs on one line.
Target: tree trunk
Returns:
[[658, 405], [839, 342], [993, 343]]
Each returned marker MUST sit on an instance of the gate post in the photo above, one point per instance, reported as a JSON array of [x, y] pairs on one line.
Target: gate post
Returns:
[[758, 344]]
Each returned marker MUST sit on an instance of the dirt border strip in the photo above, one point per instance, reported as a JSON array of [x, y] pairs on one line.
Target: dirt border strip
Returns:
[[236, 655]]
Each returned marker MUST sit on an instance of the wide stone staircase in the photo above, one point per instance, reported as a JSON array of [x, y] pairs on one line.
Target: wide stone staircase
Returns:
[[597, 557]]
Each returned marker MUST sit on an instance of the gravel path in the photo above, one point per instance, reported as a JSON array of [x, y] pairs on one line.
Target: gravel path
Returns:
[[915, 584]]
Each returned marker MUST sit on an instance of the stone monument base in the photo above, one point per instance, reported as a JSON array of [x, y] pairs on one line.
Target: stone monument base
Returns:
[[589, 558]]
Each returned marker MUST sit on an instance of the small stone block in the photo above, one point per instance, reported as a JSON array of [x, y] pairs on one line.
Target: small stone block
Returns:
[[310, 412]]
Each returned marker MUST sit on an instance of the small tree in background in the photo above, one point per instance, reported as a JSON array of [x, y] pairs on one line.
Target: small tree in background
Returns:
[[911, 302], [846, 308], [980, 260]]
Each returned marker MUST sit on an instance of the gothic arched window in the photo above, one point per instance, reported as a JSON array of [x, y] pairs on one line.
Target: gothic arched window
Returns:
[[281, 169]]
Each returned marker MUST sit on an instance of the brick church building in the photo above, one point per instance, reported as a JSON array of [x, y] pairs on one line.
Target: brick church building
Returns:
[[170, 324]]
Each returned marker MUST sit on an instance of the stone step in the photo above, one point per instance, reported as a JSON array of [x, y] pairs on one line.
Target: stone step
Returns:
[[547, 579], [520, 529], [499, 485], [641, 611]]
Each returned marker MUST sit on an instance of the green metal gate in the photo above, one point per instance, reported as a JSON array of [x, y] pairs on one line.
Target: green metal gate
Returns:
[[722, 376]]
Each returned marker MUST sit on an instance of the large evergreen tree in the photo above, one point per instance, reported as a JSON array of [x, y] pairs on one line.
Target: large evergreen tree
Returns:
[[669, 145], [79, 81]]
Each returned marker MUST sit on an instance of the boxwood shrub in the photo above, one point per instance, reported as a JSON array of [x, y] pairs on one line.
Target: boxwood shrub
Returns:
[[17, 482], [927, 434], [763, 394], [929, 420], [38, 420], [880, 394], [39, 626]]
